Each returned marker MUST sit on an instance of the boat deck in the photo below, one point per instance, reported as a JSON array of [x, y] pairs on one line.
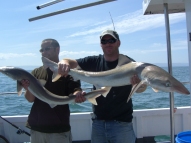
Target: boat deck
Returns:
[[147, 125]]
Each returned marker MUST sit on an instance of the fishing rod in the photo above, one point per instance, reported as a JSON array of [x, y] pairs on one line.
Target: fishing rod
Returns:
[[112, 21], [48, 4], [19, 131]]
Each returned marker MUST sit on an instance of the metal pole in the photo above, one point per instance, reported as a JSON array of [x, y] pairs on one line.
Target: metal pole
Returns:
[[48, 4], [70, 9], [171, 94]]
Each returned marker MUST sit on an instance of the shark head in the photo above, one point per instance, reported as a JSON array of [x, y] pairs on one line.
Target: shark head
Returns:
[[159, 79], [10, 72]]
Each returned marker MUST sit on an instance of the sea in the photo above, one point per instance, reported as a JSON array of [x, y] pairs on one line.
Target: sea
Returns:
[[12, 104]]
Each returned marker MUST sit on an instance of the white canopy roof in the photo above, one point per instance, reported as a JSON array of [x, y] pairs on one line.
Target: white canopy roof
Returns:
[[157, 7]]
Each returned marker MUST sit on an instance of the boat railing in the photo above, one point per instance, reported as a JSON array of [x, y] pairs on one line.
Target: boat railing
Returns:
[[85, 89], [4, 93]]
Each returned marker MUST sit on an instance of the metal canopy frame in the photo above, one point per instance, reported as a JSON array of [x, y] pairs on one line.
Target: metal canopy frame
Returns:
[[48, 4], [166, 10], [70, 9], [171, 94], [177, 6]]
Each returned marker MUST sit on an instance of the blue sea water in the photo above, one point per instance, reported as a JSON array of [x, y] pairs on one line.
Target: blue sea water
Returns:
[[12, 104]]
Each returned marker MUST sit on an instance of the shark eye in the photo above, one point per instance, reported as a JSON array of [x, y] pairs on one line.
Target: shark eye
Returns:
[[168, 84]]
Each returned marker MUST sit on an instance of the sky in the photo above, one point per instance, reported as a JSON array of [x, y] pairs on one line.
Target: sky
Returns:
[[143, 37]]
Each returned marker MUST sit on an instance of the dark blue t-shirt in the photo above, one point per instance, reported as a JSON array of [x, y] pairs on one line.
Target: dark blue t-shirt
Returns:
[[114, 106]]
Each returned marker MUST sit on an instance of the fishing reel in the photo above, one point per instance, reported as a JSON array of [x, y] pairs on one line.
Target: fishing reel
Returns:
[[19, 131]]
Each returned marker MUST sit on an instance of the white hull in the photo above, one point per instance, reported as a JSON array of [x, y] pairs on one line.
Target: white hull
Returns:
[[146, 123]]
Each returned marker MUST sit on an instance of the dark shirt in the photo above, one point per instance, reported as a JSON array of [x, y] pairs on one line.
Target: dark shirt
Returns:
[[114, 106], [42, 117]]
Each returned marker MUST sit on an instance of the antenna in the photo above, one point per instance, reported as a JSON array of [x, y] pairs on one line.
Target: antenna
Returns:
[[112, 21]]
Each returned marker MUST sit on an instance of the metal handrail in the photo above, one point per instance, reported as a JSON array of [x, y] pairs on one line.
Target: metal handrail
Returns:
[[2, 93], [88, 88]]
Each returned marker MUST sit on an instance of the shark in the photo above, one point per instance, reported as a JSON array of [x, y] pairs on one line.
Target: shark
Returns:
[[38, 90], [149, 75]]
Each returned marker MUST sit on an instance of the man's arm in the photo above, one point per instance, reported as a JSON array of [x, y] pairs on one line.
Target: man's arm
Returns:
[[29, 96], [65, 65]]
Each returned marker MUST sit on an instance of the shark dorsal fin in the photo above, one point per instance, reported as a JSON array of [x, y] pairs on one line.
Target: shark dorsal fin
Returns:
[[122, 60]]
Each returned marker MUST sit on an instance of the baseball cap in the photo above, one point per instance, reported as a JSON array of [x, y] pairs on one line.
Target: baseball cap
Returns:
[[113, 33]]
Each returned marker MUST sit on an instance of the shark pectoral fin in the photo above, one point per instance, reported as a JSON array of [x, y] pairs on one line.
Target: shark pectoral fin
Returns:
[[155, 90], [52, 105], [93, 100], [134, 89], [19, 88], [42, 81], [142, 88], [55, 77], [107, 89]]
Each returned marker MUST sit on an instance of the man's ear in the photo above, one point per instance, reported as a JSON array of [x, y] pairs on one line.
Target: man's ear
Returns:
[[58, 50], [119, 42]]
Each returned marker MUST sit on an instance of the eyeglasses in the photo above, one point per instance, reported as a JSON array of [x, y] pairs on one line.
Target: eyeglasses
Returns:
[[45, 49], [111, 41]]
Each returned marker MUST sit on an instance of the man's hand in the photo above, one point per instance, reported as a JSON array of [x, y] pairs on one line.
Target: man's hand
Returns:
[[65, 65], [25, 83], [80, 96], [135, 79], [63, 68]]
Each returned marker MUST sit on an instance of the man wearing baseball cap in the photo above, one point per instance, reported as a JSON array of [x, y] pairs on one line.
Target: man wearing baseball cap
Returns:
[[113, 33], [112, 117]]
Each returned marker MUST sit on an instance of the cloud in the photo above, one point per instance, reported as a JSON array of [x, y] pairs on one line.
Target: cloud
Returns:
[[161, 47], [5, 56], [178, 31], [78, 54], [133, 22], [136, 21]]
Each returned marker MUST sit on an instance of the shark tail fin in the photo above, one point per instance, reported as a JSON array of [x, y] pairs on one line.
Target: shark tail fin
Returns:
[[53, 67]]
